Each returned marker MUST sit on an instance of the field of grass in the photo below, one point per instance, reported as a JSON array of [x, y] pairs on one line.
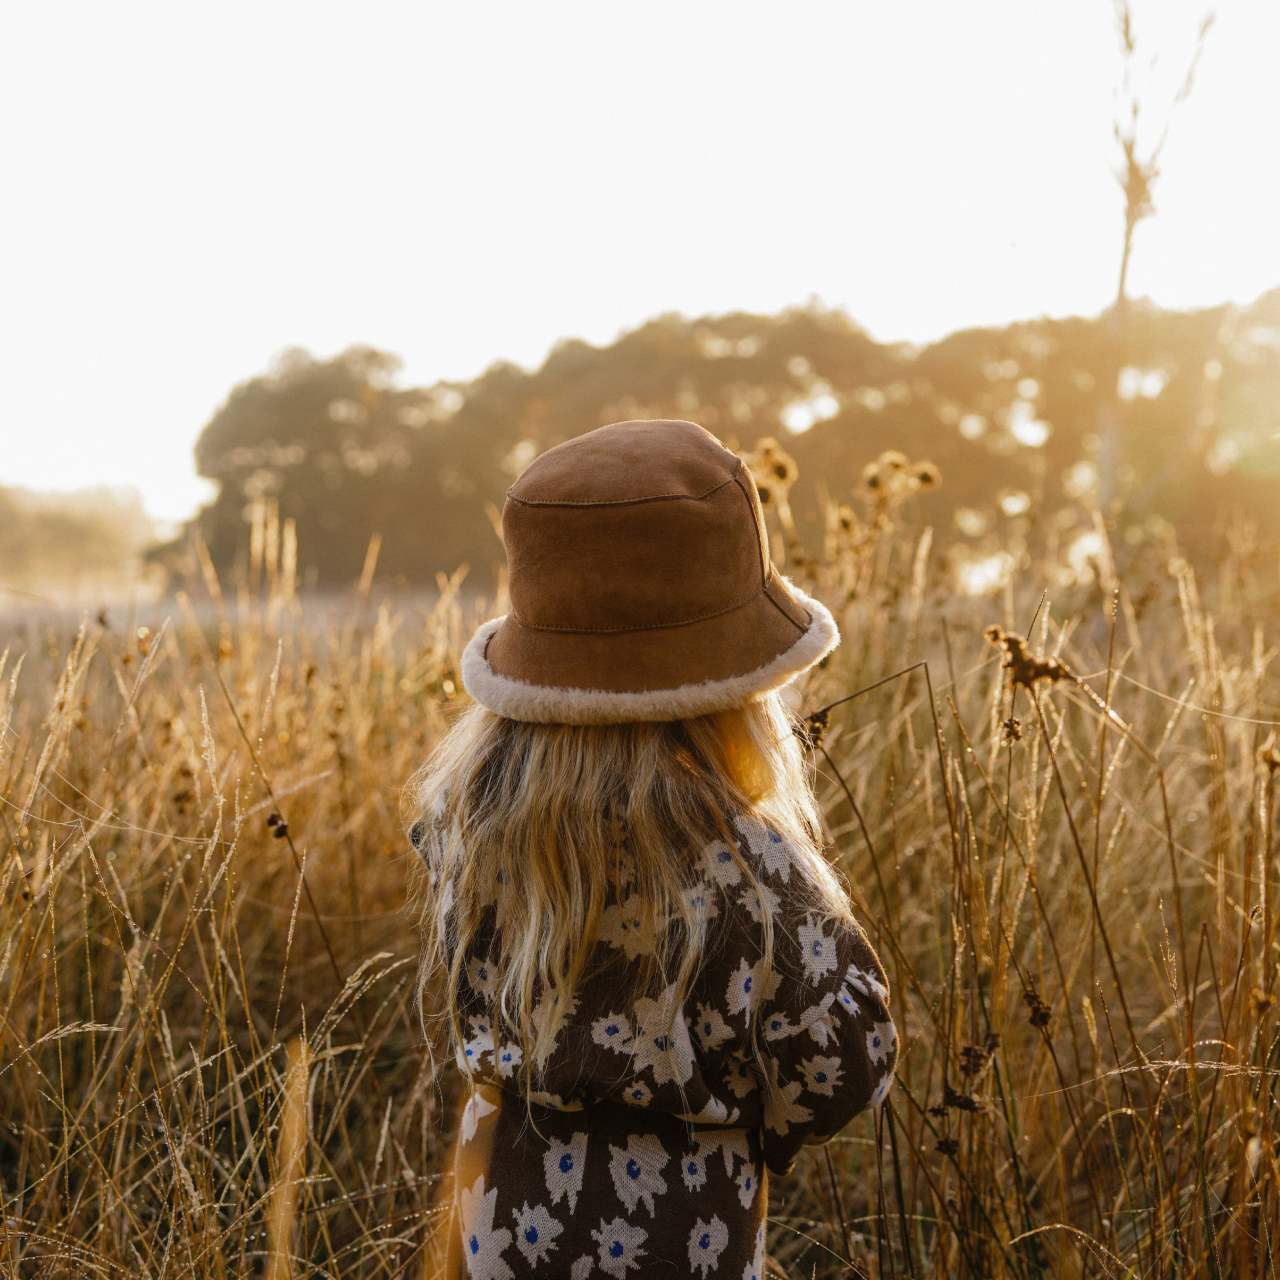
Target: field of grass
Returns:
[[1064, 847]]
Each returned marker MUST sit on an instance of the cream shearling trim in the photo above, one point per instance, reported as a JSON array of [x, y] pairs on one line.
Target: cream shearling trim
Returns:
[[548, 704]]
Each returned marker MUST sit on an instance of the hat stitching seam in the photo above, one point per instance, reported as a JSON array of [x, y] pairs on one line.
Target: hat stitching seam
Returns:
[[762, 542], [648, 626], [615, 502]]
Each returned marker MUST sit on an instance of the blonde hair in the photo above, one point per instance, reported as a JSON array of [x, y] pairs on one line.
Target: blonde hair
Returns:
[[537, 823]]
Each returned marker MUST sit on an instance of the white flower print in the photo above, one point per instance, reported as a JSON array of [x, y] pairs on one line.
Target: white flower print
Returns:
[[759, 901], [621, 1246], [713, 1111], [706, 1243], [754, 1270], [748, 1184], [613, 1031], [865, 983], [881, 1090], [767, 846], [476, 1109], [731, 1143], [817, 951], [507, 1059], [701, 902], [777, 1026], [720, 864], [661, 1043], [480, 1043], [821, 1075], [711, 1028], [581, 1269], [482, 1243], [739, 1076], [622, 925], [637, 1094], [882, 1039], [781, 1110], [848, 1001], [636, 1170], [816, 1020], [562, 1166], [693, 1171], [482, 977], [536, 1232], [748, 985]]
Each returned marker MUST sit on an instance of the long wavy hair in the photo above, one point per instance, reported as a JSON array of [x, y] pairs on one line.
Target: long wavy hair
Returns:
[[538, 824]]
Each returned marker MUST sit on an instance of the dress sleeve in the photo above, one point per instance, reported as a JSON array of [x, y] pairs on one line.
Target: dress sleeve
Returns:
[[827, 1042]]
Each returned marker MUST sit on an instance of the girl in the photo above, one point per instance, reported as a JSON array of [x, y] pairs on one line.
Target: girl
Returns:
[[654, 986]]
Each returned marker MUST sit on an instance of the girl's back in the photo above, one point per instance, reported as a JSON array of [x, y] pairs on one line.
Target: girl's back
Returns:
[[653, 985]]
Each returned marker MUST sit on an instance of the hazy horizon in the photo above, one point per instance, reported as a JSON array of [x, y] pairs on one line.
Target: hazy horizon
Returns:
[[285, 177]]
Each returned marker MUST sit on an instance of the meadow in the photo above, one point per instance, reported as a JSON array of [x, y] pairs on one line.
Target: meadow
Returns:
[[1052, 794]]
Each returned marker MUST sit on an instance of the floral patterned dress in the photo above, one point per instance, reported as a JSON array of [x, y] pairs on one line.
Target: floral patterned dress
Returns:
[[647, 1149]]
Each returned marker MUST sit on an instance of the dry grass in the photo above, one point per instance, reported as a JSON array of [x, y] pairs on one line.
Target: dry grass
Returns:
[[1064, 831]]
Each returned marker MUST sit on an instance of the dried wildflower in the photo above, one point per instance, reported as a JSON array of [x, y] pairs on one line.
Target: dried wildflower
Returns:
[[947, 1146], [892, 478], [1040, 1014], [1012, 730], [771, 466], [846, 520], [813, 728], [1262, 1001], [975, 1057], [1024, 667], [281, 830], [959, 1101]]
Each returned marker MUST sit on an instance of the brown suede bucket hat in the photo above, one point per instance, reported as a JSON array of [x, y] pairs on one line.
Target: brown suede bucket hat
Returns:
[[641, 586]]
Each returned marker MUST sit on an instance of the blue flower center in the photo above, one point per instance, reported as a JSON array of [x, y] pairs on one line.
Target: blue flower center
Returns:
[[615, 1249], [531, 1235], [706, 1028], [724, 856], [633, 1169], [474, 1244], [821, 1077], [566, 1163], [660, 1042], [746, 983], [611, 1029], [704, 1240], [817, 948], [693, 1169]]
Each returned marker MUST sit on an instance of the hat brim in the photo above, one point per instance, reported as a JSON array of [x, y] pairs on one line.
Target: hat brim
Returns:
[[662, 673]]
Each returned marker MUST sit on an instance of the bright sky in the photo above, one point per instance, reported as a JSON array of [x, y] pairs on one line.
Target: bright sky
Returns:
[[190, 189]]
